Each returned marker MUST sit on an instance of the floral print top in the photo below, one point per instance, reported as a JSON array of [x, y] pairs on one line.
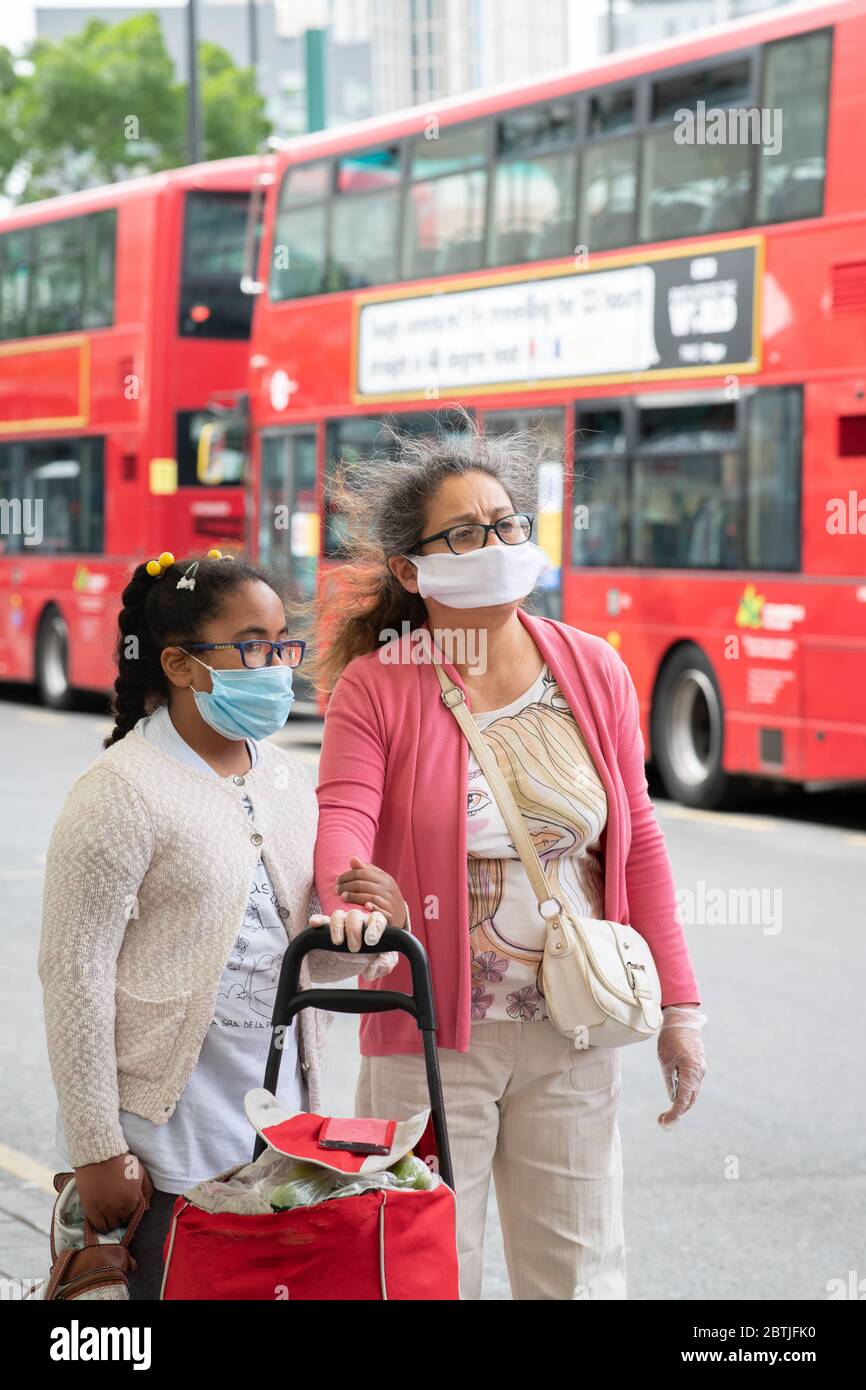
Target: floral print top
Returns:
[[548, 768]]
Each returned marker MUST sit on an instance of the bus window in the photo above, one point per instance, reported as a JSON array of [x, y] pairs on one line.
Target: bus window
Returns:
[[728, 84], [608, 190], [58, 277], [227, 449], [774, 423], [599, 534], [611, 111], [691, 189], [66, 478], [687, 498], [797, 80], [533, 209], [690, 185], [535, 185], [368, 436], [366, 217], [100, 232], [345, 442], [548, 428], [14, 284], [299, 251], [445, 206], [212, 303]]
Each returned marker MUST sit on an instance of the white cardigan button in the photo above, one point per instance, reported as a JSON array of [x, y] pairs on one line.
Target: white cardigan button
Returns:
[[257, 839], [239, 781]]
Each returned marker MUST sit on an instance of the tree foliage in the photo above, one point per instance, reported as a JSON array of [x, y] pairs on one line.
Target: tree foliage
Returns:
[[104, 105]]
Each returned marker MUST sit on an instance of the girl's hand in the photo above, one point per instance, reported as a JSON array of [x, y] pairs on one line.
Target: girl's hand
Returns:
[[372, 888], [110, 1191], [347, 926], [682, 1058]]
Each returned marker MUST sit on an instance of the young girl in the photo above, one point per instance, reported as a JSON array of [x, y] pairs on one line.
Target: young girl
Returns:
[[179, 866]]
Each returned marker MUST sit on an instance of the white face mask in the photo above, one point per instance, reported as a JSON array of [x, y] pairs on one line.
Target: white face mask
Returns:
[[481, 578]]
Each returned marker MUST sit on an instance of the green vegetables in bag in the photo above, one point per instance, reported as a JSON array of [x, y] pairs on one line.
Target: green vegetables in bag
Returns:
[[412, 1172]]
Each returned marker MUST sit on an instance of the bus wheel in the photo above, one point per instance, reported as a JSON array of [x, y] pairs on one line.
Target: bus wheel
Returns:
[[52, 660], [687, 730]]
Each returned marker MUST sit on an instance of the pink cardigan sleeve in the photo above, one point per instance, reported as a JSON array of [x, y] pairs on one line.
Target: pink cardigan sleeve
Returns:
[[350, 787], [650, 887]]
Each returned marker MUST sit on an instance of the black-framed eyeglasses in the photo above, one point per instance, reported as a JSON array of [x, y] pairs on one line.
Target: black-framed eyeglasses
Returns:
[[511, 530], [254, 652]]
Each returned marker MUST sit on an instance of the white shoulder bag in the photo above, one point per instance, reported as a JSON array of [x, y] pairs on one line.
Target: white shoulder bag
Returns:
[[601, 986]]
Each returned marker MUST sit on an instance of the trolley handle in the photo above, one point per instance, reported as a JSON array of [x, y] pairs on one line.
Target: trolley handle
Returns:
[[290, 999]]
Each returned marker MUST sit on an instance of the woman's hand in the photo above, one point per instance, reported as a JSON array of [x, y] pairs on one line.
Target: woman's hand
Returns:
[[347, 925], [110, 1191], [682, 1058], [372, 888]]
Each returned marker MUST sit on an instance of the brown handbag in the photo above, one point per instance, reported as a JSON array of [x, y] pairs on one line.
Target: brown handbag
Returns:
[[97, 1270]]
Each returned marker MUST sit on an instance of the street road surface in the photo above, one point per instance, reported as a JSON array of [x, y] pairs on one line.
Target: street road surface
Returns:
[[759, 1193]]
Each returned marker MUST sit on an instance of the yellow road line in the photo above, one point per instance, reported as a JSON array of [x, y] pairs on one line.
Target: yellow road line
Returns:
[[677, 812], [41, 716], [28, 1169]]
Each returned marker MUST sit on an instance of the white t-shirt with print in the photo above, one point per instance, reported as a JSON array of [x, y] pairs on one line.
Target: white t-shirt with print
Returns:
[[548, 769], [208, 1131]]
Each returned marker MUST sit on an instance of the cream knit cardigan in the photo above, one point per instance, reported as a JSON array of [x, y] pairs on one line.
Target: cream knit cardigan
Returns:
[[146, 884]]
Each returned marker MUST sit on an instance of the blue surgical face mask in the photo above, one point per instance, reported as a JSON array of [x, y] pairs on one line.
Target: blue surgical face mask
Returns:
[[247, 703]]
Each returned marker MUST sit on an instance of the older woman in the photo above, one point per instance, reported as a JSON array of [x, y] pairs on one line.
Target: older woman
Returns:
[[440, 561]]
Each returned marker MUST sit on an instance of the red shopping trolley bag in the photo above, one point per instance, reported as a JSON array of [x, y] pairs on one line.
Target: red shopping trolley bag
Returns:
[[383, 1243]]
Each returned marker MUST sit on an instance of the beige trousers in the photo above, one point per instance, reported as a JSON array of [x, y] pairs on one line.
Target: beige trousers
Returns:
[[526, 1106]]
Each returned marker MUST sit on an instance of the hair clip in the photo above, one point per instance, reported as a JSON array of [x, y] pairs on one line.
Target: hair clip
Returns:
[[156, 567], [185, 582]]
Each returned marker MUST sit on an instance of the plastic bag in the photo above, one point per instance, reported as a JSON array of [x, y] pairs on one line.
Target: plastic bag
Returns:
[[307, 1184], [247, 1190]]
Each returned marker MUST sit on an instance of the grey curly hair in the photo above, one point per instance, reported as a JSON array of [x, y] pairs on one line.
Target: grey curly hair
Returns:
[[381, 502]]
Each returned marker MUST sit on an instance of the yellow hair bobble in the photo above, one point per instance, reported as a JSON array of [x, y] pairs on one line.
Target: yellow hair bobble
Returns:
[[214, 555], [156, 567]]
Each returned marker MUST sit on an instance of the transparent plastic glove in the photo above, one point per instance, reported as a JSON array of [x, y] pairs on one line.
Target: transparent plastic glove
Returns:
[[374, 923], [682, 1058]]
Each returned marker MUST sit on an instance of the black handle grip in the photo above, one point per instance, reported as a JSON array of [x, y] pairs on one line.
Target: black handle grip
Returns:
[[419, 1003], [290, 1000]]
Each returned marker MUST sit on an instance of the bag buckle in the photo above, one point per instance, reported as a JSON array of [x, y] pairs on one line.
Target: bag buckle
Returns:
[[458, 695], [551, 903], [638, 991]]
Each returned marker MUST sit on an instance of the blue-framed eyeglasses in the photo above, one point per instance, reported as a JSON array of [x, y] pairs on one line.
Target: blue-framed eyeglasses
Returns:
[[254, 652]]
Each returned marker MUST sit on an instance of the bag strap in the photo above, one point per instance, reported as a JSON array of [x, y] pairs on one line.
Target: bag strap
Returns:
[[454, 699]]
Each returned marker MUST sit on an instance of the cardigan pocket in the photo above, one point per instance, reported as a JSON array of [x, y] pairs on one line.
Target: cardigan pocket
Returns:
[[146, 1031]]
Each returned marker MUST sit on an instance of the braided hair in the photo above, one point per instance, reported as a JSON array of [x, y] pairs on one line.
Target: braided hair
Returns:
[[156, 614]]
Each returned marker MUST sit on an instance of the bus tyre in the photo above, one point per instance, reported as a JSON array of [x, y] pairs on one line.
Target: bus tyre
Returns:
[[687, 730], [52, 660]]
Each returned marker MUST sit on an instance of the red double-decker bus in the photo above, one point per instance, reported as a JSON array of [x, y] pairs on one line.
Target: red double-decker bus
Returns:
[[658, 262], [123, 334]]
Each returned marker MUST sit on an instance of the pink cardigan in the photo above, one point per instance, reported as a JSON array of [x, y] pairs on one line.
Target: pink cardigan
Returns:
[[392, 789]]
